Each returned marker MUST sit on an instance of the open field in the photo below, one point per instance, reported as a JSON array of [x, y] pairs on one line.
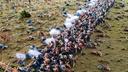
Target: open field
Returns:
[[114, 45], [9, 19]]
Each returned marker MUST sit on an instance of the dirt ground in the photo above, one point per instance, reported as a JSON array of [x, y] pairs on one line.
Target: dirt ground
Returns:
[[113, 44]]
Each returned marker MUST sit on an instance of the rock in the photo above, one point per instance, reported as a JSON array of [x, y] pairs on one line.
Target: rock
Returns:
[[125, 33], [126, 29], [108, 18], [116, 18], [119, 60], [29, 22], [2, 46], [100, 66], [123, 49], [106, 53], [119, 40], [121, 32], [112, 48], [31, 38], [87, 58], [82, 62], [96, 52], [111, 60], [85, 71], [120, 17], [103, 67], [113, 26], [122, 5], [109, 30], [108, 47], [99, 53], [125, 10], [122, 37]]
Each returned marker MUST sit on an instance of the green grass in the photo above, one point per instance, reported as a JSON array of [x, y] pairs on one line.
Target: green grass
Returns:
[[10, 20], [118, 47]]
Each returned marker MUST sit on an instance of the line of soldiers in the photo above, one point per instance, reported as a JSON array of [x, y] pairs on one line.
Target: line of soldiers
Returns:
[[61, 48]]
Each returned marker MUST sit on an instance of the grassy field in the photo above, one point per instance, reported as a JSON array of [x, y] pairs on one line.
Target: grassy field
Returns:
[[17, 29], [114, 47]]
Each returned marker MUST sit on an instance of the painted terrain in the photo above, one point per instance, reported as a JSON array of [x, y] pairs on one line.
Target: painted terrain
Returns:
[[113, 41]]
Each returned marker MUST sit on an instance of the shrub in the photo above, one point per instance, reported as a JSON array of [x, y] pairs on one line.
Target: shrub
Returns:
[[24, 14]]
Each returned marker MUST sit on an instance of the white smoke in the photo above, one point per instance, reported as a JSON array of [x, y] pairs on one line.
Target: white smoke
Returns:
[[68, 25], [54, 32], [34, 53], [81, 12], [75, 18], [66, 40], [71, 19], [69, 15], [49, 40], [93, 1], [69, 22], [21, 56]]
